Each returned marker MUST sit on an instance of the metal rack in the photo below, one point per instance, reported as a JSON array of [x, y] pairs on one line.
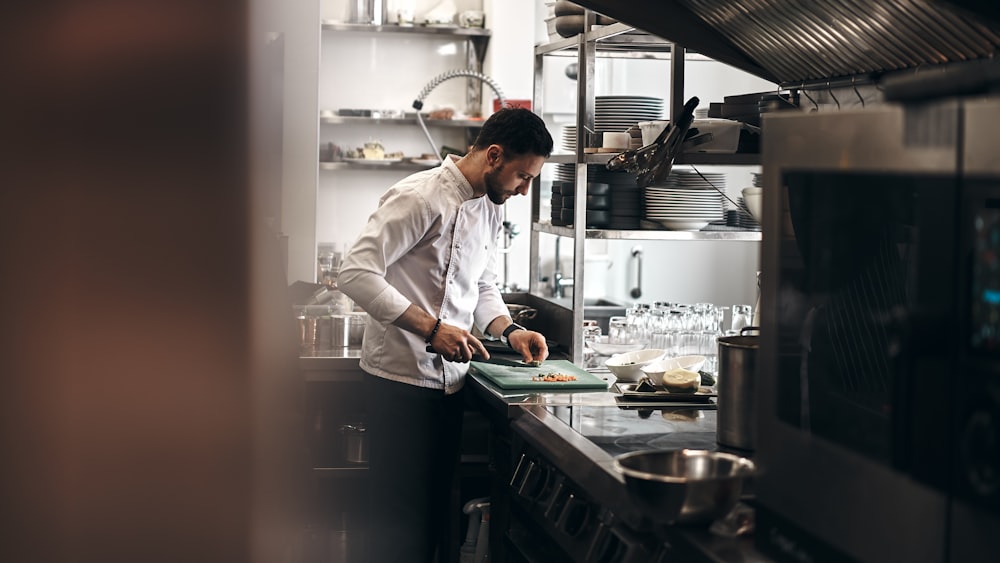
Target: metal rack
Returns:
[[617, 41]]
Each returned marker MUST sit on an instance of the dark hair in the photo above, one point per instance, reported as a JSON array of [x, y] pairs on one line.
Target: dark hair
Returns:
[[517, 130]]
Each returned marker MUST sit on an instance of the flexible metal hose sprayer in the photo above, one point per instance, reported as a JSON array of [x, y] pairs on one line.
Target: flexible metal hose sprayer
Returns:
[[418, 104]]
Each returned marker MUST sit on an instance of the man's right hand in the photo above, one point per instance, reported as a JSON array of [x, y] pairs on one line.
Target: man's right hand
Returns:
[[456, 344]]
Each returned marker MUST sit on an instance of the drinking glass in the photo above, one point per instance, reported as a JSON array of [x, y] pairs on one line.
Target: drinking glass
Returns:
[[742, 316], [618, 330]]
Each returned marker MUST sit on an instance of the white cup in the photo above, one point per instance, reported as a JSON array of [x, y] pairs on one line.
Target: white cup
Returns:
[[472, 18], [616, 140]]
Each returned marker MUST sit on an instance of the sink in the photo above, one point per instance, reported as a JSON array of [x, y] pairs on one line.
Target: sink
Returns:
[[555, 315], [600, 302], [598, 309]]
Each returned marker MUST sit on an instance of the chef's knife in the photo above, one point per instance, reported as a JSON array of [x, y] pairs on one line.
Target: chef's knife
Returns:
[[495, 360]]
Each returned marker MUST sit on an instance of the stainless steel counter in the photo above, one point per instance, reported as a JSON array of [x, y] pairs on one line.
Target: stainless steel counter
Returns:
[[339, 364], [577, 434]]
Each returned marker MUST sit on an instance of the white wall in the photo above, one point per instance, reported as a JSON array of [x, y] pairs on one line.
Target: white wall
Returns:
[[299, 23], [389, 73]]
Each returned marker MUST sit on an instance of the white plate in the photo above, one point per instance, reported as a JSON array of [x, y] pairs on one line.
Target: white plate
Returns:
[[425, 161], [383, 161], [683, 225]]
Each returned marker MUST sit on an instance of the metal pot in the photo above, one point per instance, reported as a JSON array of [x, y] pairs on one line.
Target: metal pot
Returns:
[[355, 442], [737, 375], [521, 314]]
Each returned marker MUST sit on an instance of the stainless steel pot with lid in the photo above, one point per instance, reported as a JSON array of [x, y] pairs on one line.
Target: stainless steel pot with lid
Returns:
[[737, 375]]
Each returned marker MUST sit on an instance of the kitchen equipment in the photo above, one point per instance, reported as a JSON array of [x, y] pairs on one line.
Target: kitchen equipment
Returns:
[[348, 329], [714, 136], [736, 384], [521, 314], [684, 486], [652, 163], [879, 369], [364, 12], [520, 378], [644, 392], [355, 443]]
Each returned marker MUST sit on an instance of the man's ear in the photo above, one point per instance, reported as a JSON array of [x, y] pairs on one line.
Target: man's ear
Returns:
[[494, 154]]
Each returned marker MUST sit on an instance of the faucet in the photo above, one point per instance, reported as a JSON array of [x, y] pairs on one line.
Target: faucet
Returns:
[[559, 283]]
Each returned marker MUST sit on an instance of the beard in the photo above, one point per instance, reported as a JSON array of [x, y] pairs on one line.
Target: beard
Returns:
[[494, 190]]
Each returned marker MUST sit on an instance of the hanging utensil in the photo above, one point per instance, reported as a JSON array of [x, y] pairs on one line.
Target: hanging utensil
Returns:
[[652, 163]]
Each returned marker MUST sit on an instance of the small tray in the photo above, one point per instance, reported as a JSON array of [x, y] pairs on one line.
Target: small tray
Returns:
[[703, 395]]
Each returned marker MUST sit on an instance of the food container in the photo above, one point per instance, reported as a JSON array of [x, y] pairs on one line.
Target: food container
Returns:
[[348, 330], [714, 136], [684, 486], [355, 443], [737, 376]]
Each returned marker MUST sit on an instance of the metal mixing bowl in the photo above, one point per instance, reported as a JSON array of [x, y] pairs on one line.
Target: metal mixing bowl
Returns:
[[684, 486]]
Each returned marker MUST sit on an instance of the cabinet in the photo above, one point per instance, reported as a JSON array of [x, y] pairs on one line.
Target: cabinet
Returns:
[[614, 41]]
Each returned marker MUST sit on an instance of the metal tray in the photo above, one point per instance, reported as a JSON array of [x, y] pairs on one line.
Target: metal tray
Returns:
[[627, 391]]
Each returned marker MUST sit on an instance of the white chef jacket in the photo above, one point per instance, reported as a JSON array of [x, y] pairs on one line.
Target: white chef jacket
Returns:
[[432, 244]]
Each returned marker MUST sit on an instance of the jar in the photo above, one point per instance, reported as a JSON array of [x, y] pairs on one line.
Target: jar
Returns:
[[355, 443]]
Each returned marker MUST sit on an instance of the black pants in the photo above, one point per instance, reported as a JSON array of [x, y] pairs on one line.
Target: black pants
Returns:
[[414, 441]]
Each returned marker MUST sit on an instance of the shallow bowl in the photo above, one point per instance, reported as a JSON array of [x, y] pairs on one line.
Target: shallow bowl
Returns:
[[628, 366], [655, 370], [604, 348], [684, 486]]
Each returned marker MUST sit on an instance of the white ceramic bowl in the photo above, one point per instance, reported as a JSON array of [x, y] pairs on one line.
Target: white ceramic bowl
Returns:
[[754, 200], [628, 366], [655, 370]]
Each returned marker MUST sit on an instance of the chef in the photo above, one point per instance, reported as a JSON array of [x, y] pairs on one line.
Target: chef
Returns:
[[423, 269]]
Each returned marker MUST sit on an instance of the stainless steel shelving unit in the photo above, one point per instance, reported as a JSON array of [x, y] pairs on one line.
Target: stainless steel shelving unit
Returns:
[[408, 119], [477, 40], [617, 40]]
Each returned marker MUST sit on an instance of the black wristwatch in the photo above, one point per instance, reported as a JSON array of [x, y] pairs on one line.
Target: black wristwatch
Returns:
[[506, 332]]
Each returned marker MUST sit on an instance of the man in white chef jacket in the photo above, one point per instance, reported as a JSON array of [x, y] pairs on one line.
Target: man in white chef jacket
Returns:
[[423, 269]]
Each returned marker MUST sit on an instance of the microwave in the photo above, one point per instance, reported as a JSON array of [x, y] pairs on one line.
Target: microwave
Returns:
[[878, 377]]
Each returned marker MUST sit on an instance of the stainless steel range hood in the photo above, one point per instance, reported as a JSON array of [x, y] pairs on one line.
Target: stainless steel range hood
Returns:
[[797, 42]]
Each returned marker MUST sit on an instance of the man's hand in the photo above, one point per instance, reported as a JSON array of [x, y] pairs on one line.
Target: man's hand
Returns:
[[456, 344], [530, 344]]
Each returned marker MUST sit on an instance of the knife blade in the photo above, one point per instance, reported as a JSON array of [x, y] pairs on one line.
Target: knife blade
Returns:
[[502, 362], [495, 360]]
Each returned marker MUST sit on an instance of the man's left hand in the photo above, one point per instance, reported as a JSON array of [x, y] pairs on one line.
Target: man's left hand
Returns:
[[530, 344]]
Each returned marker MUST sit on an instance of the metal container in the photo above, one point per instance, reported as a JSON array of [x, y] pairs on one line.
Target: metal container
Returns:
[[347, 330], [355, 443], [737, 375], [340, 331], [356, 328], [684, 486]]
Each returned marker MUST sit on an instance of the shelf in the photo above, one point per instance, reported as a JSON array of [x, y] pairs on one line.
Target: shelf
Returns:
[[615, 40], [409, 166], [408, 119], [665, 235], [738, 159], [408, 29], [360, 470]]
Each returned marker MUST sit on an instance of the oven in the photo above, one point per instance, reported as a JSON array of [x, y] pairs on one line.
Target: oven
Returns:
[[567, 503], [879, 385]]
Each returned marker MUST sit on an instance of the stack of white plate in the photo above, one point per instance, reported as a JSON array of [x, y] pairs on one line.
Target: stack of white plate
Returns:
[[619, 113], [686, 202], [569, 138]]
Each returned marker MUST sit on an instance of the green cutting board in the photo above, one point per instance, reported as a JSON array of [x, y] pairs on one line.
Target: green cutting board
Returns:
[[510, 377]]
